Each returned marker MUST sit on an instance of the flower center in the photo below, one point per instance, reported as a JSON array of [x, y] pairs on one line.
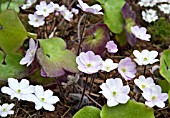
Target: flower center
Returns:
[[42, 99], [36, 20], [107, 68], [138, 35], [114, 93], [45, 10], [124, 70], [89, 65], [143, 86], [153, 97], [145, 59], [19, 91], [4, 109], [32, 52]]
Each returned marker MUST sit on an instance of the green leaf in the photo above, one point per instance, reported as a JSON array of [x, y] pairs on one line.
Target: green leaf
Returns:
[[88, 112], [169, 96], [10, 67], [14, 4], [13, 33], [112, 14], [37, 78], [164, 85], [165, 65], [54, 58], [131, 109], [121, 38]]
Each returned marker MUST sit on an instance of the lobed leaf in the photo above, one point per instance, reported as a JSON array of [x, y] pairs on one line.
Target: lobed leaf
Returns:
[[54, 58]]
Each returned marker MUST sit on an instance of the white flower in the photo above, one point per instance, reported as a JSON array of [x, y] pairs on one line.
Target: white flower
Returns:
[[18, 89], [154, 68], [90, 9], [147, 3], [67, 14], [36, 20], [56, 7], [28, 4], [145, 57], [75, 11], [30, 54], [114, 91], [108, 65], [44, 9], [111, 47], [154, 97], [43, 99], [164, 8], [140, 33], [149, 16], [62, 8], [160, 1], [144, 83], [5, 109]]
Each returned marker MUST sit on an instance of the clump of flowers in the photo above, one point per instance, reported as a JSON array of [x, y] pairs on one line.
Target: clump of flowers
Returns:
[[127, 68], [145, 57], [114, 91], [88, 62]]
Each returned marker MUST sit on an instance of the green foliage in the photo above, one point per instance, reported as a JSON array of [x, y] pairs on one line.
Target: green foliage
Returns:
[[121, 38], [165, 65], [160, 30], [169, 96], [131, 109], [37, 78], [164, 85], [13, 33], [13, 4], [54, 58], [88, 112], [112, 14], [10, 67]]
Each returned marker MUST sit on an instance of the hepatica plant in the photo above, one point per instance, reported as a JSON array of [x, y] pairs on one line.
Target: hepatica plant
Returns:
[[83, 59]]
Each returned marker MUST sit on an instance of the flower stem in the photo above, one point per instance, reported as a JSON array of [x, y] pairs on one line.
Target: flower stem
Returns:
[[83, 92], [91, 83], [144, 72]]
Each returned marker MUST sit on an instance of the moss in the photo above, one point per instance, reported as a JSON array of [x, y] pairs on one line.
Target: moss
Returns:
[[160, 31]]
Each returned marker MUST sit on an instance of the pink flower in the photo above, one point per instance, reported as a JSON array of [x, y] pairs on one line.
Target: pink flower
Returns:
[[30, 54], [140, 33], [111, 47], [127, 68], [89, 63]]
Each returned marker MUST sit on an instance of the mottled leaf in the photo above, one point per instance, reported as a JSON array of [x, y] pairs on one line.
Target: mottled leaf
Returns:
[[131, 109], [13, 33], [96, 39], [54, 58]]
